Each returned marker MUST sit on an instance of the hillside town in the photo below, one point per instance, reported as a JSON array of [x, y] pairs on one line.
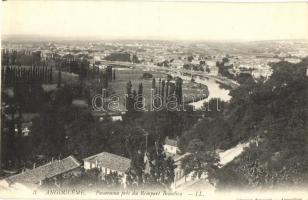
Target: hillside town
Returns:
[[65, 76]]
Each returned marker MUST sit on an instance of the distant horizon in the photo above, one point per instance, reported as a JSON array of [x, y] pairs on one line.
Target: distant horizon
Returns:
[[177, 21], [31, 37]]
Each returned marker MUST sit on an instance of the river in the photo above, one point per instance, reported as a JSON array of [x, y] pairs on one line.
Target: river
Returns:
[[214, 90]]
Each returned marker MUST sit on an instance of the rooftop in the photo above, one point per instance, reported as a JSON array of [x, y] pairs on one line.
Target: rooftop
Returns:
[[171, 142], [46, 171], [110, 161]]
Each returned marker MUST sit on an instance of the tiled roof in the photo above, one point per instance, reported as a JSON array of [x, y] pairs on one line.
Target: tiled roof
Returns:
[[111, 161], [43, 172], [171, 142]]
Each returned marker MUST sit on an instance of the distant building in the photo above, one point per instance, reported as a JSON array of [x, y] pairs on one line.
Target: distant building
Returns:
[[80, 103], [46, 55], [103, 115], [26, 123], [171, 146], [34, 178], [228, 64], [108, 163], [116, 118], [25, 128], [292, 60]]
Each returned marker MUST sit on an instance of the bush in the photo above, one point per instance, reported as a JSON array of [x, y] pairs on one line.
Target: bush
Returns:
[[147, 75]]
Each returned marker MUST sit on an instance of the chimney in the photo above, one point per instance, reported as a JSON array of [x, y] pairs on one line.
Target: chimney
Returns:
[[51, 159], [34, 165]]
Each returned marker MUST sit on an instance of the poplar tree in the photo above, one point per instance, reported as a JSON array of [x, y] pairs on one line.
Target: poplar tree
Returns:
[[140, 93], [59, 77], [114, 74]]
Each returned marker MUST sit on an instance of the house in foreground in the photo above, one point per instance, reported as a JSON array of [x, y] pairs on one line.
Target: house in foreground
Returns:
[[172, 150], [108, 163], [36, 177], [171, 147]]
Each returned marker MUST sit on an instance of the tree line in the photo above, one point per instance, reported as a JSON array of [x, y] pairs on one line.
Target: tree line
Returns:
[[164, 94], [12, 75]]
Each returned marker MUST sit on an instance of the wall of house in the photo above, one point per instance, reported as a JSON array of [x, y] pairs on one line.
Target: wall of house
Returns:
[[104, 170], [116, 118], [87, 165], [170, 149]]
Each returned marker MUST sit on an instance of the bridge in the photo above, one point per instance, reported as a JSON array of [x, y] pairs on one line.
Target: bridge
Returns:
[[220, 79]]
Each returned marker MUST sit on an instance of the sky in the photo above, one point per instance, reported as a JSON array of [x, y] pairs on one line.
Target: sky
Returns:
[[156, 20]]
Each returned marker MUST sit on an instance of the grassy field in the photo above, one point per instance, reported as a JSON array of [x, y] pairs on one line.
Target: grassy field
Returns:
[[65, 76], [135, 76]]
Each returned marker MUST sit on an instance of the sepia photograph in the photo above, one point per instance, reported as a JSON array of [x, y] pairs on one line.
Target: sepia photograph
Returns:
[[154, 100]]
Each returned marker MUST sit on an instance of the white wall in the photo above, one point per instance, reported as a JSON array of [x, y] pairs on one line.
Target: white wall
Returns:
[[170, 149], [87, 165]]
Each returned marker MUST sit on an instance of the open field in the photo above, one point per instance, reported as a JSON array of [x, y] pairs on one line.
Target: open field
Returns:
[[135, 76], [65, 76]]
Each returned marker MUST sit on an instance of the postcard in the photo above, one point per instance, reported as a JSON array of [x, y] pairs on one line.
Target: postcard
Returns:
[[154, 100]]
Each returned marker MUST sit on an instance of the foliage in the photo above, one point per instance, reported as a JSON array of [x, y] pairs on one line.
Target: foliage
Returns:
[[275, 111], [270, 114], [92, 179], [195, 67], [147, 75], [160, 172], [162, 167], [201, 163], [119, 56]]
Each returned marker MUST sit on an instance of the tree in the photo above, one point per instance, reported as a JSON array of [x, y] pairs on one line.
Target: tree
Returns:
[[140, 94], [140, 89], [207, 70], [109, 73], [147, 75], [162, 168], [104, 80], [119, 56], [130, 97], [48, 132], [201, 163], [273, 115], [178, 90], [129, 87], [135, 59], [136, 174], [153, 84], [162, 93], [10, 150], [161, 173], [63, 96], [112, 180], [190, 58], [114, 74], [59, 77]]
